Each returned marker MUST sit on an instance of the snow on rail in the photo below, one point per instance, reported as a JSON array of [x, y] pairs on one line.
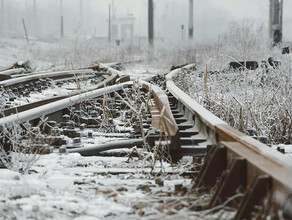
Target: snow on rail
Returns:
[[206, 116], [59, 105], [225, 131], [36, 76]]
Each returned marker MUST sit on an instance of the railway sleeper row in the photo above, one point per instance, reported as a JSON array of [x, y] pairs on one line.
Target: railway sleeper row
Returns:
[[234, 182], [69, 126]]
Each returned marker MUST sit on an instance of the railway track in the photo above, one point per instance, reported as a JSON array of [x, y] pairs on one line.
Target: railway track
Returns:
[[229, 171], [27, 91]]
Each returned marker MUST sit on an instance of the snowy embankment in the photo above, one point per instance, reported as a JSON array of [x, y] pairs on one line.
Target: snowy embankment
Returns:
[[257, 102]]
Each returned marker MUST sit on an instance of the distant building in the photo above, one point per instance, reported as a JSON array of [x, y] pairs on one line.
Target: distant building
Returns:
[[123, 28]]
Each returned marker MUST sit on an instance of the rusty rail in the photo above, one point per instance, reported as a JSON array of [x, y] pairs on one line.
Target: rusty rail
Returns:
[[109, 80], [50, 108], [236, 161], [161, 112]]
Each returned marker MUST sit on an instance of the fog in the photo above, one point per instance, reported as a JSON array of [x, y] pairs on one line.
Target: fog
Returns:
[[89, 18]]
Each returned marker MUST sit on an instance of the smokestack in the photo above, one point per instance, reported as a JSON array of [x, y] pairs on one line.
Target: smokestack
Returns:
[[61, 7]]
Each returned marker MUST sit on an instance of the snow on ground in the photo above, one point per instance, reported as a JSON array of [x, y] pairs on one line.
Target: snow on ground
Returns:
[[65, 90], [71, 186], [74, 53]]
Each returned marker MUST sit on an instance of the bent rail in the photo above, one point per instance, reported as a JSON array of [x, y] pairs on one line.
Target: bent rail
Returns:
[[110, 79], [47, 109], [162, 105], [236, 160]]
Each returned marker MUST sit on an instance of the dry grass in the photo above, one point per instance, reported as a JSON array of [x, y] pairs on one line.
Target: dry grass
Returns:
[[260, 99], [21, 146]]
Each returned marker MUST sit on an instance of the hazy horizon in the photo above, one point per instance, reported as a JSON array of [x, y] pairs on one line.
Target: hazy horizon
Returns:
[[212, 18]]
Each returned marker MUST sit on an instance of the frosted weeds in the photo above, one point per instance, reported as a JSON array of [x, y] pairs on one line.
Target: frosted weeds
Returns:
[[259, 99], [80, 52]]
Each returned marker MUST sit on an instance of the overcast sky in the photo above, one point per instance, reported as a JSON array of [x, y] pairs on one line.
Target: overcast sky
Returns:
[[212, 18]]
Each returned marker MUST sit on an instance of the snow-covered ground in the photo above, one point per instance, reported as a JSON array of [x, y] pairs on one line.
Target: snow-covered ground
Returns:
[[67, 186], [71, 186], [74, 53]]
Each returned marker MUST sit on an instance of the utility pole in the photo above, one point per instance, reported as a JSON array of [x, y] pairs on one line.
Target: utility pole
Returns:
[[62, 26], [281, 18], [109, 23], [25, 31], [191, 19], [150, 22], [276, 21]]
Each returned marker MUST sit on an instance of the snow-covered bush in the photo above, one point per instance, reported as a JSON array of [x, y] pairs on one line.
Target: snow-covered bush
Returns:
[[20, 146]]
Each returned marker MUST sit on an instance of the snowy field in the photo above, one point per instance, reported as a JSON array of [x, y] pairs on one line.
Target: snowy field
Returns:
[[70, 186], [79, 52]]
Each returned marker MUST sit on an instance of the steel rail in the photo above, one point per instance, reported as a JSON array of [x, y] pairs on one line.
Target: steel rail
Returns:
[[110, 79], [59, 105], [236, 159], [37, 76], [64, 74], [165, 117], [11, 73]]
